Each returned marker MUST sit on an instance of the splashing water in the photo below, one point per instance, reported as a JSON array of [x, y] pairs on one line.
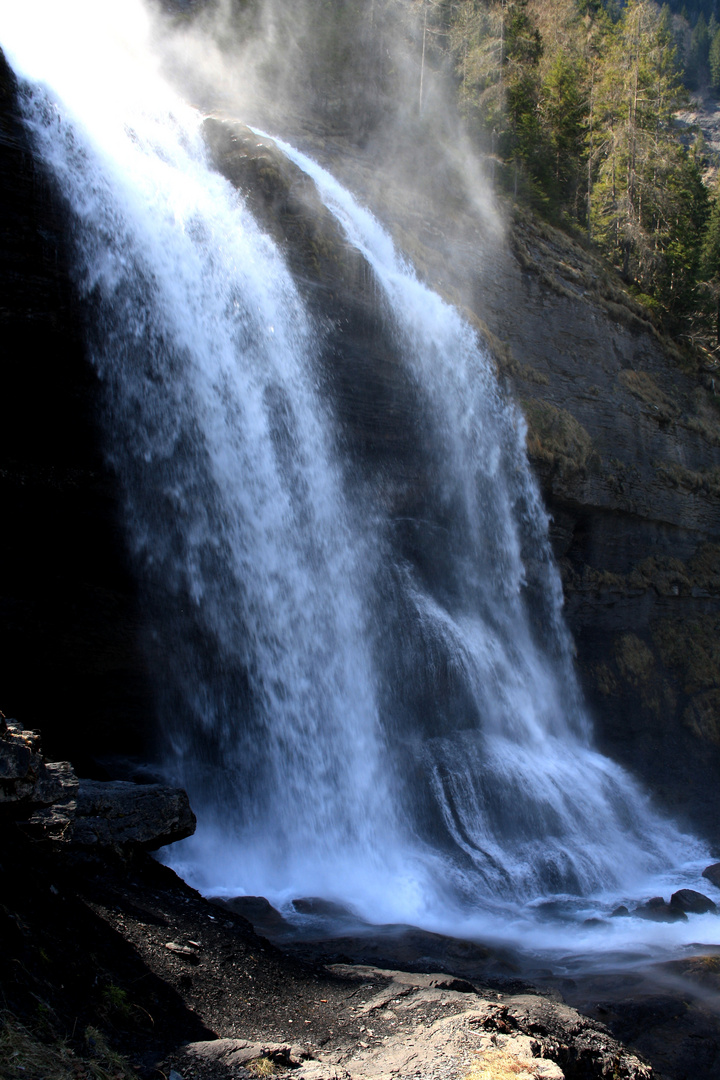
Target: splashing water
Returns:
[[404, 736]]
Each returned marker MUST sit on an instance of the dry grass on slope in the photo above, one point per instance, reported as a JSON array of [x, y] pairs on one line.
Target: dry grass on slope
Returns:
[[500, 1065], [23, 1056]]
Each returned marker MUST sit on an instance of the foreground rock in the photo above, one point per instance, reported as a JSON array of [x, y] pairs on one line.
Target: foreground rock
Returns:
[[412, 1027], [26, 779], [224, 1004], [87, 813]]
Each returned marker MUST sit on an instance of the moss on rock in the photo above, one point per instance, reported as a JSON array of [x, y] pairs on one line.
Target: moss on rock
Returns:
[[643, 386], [555, 437], [692, 650]]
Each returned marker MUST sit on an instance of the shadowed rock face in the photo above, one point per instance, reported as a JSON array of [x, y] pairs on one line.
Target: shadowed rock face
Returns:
[[626, 444], [625, 440], [68, 618]]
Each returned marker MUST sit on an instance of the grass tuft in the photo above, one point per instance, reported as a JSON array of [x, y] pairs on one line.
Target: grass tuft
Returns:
[[262, 1067], [499, 1065], [23, 1056]]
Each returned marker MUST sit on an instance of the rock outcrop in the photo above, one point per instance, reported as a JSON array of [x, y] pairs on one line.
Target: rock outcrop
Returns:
[[523, 1035], [119, 813], [27, 781], [48, 796]]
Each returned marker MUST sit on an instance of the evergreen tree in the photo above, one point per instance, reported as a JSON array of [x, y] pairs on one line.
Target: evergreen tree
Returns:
[[697, 70], [522, 52], [564, 112], [710, 263], [648, 199], [714, 61]]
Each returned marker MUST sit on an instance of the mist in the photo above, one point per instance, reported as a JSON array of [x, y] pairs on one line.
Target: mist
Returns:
[[365, 87]]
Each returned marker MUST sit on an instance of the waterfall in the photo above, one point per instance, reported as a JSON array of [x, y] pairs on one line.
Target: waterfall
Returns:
[[528, 805], [403, 734]]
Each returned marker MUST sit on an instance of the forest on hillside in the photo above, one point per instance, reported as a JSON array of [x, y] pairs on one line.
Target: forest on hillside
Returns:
[[577, 102]]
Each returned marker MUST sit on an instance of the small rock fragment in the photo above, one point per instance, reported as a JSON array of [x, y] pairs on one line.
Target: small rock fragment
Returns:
[[180, 950]]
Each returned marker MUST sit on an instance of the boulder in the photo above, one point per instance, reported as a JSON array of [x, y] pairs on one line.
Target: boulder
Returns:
[[656, 910], [693, 902], [256, 909], [314, 905], [712, 873], [119, 814]]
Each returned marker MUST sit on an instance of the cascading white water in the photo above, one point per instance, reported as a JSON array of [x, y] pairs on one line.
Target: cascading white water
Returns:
[[323, 758], [524, 796]]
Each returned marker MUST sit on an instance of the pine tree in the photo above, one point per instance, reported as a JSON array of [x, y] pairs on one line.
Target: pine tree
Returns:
[[564, 112], [648, 199], [710, 263], [714, 61], [523, 48], [696, 66]]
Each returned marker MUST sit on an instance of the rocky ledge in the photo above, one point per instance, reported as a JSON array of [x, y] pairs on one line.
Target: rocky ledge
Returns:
[[52, 802]]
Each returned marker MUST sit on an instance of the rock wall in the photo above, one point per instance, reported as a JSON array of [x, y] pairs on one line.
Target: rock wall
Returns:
[[69, 624], [625, 437]]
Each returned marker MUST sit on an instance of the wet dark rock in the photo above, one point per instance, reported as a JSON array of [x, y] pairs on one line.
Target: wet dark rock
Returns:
[[27, 781], [693, 902], [255, 909], [119, 813], [315, 905], [712, 873], [69, 624], [620, 912], [657, 910]]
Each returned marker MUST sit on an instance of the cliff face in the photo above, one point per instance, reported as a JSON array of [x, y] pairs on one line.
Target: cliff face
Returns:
[[69, 627], [626, 444], [625, 441]]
